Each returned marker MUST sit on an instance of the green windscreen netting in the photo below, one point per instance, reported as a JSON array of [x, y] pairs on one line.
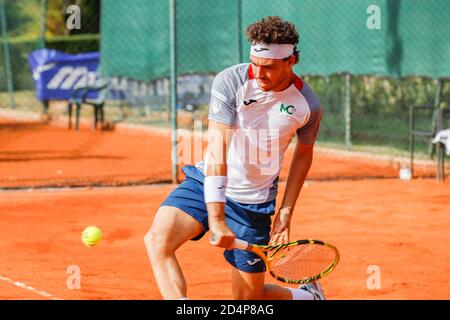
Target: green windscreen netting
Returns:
[[413, 38]]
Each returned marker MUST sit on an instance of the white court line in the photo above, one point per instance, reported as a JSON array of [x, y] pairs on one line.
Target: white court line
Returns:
[[31, 289]]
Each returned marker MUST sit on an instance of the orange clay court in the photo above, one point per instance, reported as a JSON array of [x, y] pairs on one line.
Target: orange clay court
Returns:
[[356, 203]]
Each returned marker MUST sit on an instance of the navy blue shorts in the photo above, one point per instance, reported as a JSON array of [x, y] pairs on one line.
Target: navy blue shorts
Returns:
[[249, 222]]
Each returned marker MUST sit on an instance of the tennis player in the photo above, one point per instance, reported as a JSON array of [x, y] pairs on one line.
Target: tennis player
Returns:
[[255, 110]]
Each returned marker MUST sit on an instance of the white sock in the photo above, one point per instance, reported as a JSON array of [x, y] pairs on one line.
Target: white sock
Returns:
[[300, 294], [183, 298]]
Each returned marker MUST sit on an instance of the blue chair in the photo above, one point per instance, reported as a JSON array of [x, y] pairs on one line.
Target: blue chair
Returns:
[[80, 97]]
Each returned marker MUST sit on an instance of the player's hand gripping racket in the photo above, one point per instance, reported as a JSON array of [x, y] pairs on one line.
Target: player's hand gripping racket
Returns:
[[296, 262]]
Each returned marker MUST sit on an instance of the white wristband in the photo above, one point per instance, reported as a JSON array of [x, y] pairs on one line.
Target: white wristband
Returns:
[[214, 188]]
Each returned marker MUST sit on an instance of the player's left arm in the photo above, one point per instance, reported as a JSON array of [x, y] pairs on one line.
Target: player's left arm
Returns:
[[298, 171]]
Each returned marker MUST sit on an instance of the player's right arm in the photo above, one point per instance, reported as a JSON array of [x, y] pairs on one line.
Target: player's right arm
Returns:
[[218, 140], [222, 109]]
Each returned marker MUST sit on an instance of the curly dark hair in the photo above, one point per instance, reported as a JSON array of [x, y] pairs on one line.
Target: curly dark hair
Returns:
[[274, 29]]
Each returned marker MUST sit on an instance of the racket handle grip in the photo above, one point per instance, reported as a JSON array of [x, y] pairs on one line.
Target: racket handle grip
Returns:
[[241, 244]]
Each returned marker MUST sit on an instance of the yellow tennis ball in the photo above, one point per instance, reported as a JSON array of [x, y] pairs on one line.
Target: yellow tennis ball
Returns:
[[91, 236]]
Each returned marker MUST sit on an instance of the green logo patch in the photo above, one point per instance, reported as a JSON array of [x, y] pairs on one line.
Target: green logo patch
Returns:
[[289, 109]]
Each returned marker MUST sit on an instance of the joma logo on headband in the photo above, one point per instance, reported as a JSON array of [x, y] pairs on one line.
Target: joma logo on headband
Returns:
[[261, 49]]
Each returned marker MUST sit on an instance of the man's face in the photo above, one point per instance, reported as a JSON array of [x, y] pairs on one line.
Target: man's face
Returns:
[[271, 73]]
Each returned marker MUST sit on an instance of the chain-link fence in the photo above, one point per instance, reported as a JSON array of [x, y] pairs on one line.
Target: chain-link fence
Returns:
[[210, 36], [366, 75]]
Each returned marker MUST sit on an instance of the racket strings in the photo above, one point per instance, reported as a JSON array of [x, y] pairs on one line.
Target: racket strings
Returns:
[[302, 261]]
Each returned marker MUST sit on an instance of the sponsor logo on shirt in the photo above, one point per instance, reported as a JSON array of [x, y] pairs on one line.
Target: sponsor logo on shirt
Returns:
[[216, 105], [290, 109], [249, 102]]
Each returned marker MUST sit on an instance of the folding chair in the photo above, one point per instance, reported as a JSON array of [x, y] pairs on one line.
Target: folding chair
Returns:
[[438, 118], [80, 97]]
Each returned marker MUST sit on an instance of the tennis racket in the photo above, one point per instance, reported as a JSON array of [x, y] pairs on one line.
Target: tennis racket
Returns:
[[297, 262]]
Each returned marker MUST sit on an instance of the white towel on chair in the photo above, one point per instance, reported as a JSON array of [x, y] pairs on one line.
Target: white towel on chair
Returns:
[[443, 137]]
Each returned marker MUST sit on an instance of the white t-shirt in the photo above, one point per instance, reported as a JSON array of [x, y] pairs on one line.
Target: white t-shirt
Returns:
[[264, 124]]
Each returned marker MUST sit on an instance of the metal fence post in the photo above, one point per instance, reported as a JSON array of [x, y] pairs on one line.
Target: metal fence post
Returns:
[[43, 23], [8, 72], [173, 86], [440, 147], [437, 101], [347, 112], [239, 27]]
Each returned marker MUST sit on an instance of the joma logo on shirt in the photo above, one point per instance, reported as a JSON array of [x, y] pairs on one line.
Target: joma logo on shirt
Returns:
[[289, 109]]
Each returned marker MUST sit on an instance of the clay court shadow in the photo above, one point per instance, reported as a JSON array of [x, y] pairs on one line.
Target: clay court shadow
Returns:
[[45, 155]]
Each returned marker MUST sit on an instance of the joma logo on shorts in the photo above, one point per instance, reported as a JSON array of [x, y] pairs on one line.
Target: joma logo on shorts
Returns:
[[253, 262], [289, 109]]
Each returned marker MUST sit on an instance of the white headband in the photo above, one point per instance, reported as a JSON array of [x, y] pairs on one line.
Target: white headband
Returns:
[[271, 50]]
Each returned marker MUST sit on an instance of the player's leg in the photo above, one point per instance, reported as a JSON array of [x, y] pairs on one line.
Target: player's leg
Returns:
[[181, 217], [170, 229], [252, 223], [251, 286], [247, 286]]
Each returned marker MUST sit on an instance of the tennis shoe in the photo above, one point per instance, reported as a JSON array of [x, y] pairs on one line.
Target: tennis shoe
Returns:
[[315, 289]]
